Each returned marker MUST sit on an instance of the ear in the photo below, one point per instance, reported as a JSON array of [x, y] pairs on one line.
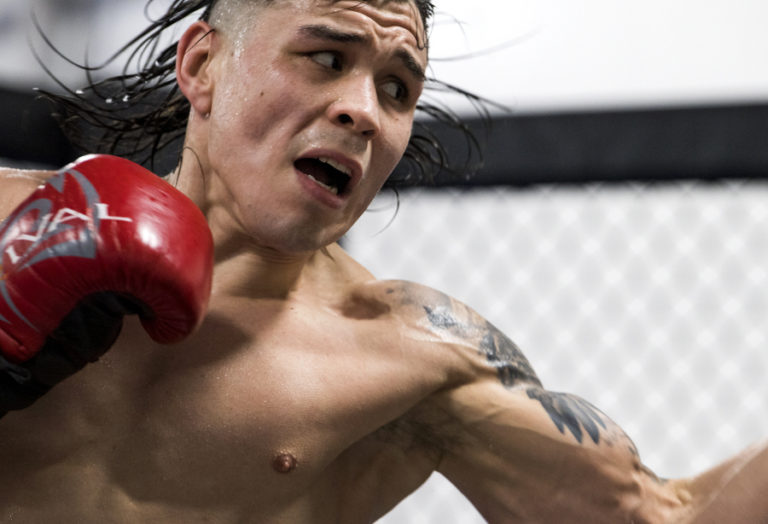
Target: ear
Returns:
[[194, 73]]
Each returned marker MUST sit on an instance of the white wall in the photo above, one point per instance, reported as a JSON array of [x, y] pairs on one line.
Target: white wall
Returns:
[[555, 54], [583, 54]]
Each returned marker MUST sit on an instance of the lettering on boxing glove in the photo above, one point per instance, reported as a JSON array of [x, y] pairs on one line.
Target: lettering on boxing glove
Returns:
[[79, 229]]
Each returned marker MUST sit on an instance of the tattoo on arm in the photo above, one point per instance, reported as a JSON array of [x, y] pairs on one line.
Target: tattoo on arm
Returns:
[[501, 353], [571, 413], [506, 357]]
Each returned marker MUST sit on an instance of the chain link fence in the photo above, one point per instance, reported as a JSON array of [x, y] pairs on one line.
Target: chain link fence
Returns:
[[648, 300]]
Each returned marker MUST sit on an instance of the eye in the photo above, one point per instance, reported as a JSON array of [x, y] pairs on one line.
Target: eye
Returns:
[[327, 59], [395, 89]]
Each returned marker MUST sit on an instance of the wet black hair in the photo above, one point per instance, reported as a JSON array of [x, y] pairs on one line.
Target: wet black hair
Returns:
[[141, 113]]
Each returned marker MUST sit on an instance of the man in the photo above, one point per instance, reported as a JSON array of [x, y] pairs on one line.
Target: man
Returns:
[[313, 392]]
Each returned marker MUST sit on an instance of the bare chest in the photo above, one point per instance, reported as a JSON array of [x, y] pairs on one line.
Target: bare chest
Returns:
[[256, 410]]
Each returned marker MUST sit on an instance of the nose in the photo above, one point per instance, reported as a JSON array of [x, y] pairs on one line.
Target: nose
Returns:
[[356, 106]]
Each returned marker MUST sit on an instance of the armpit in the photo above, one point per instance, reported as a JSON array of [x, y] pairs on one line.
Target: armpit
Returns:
[[424, 430]]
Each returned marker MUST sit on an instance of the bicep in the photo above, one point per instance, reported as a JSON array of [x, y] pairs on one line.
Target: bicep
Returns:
[[514, 386], [520, 452], [575, 417]]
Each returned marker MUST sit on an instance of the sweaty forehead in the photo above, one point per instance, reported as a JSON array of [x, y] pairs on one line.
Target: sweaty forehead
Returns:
[[407, 7], [404, 13]]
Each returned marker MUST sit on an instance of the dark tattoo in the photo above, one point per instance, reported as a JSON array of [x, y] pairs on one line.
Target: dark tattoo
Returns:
[[510, 363], [570, 412], [441, 318], [506, 357]]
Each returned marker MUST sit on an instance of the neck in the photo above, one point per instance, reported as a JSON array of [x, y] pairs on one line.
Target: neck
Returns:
[[245, 269], [247, 264]]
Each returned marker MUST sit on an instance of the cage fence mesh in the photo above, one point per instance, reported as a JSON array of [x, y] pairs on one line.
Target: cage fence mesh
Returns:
[[650, 301]]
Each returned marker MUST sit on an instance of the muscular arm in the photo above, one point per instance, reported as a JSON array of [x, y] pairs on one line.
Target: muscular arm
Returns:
[[523, 453]]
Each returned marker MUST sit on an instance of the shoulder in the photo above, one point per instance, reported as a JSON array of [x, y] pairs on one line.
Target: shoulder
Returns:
[[438, 323], [461, 325], [405, 297], [409, 302], [16, 185]]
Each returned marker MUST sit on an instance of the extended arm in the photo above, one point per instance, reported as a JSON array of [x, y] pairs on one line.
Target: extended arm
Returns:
[[528, 454]]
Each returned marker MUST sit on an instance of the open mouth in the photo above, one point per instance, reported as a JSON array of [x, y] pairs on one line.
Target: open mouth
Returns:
[[326, 173]]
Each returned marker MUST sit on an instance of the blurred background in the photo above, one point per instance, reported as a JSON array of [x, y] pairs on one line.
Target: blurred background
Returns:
[[616, 229]]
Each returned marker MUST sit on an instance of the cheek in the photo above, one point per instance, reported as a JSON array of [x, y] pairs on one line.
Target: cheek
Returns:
[[252, 118], [256, 95], [393, 145]]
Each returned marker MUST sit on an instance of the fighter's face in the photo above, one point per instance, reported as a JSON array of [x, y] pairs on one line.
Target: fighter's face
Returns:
[[312, 108]]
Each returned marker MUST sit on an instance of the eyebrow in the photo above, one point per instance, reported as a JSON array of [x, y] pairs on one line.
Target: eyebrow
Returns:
[[324, 32]]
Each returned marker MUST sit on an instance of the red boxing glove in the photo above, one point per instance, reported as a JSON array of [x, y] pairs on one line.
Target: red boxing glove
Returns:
[[103, 238]]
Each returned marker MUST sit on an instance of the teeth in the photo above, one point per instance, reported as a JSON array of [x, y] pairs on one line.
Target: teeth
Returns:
[[332, 189], [344, 169]]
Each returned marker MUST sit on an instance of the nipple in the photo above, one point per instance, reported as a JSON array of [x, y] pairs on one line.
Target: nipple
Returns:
[[284, 463]]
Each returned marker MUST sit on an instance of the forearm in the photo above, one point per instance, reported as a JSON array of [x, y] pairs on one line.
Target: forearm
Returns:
[[529, 454], [736, 491]]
